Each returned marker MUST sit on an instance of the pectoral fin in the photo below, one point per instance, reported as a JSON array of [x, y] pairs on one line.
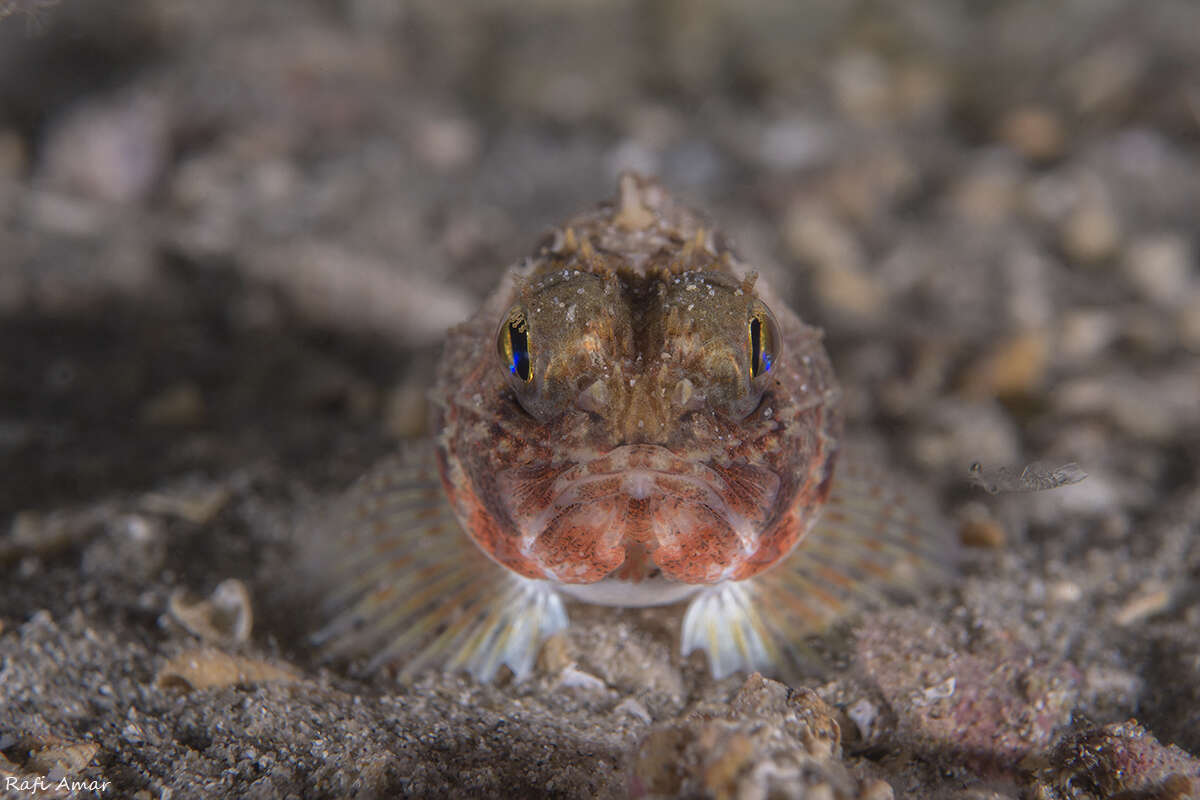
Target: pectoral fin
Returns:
[[404, 585]]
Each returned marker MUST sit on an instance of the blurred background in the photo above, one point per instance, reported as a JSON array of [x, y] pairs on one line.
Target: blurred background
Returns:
[[233, 233]]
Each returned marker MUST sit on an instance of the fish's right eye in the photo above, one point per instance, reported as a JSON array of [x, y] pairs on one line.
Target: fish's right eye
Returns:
[[512, 343]]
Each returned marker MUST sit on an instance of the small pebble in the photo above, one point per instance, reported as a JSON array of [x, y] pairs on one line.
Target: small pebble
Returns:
[[110, 150], [196, 504], [988, 193], [982, 532], [447, 143], [863, 713], [1014, 367], [815, 236], [1064, 592], [1091, 233], [634, 709], [62, 758], [1146, 603], [1083, 334], [179, 405], [1035, 132], [225, 615], [1160, 267], [862, 86], [206, 668], [852, 292], [574, 678]]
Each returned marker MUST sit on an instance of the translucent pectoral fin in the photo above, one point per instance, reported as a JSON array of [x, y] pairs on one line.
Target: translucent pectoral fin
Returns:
[[403, 584], [871, 546]]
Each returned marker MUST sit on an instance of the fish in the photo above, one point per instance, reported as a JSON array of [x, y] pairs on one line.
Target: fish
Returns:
[[633, 418]]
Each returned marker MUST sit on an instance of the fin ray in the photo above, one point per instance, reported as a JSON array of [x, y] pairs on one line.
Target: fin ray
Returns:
[[873, 544], [402, 583]]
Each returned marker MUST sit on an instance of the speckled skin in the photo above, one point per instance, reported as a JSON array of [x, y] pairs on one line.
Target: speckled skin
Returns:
[[642, 448]]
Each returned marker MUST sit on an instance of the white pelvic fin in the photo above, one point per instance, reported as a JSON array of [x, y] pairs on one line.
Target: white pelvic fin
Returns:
[[405, 586], [512, 630], [723, 621]]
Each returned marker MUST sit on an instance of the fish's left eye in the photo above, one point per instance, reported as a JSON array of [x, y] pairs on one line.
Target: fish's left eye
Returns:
[[513, 345], [763, 336]]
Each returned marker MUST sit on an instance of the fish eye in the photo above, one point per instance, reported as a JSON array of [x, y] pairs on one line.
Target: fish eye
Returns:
[[512, 343], [762, 334]]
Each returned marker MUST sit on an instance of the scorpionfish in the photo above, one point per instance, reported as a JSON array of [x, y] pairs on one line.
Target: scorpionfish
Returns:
[[631, 419]]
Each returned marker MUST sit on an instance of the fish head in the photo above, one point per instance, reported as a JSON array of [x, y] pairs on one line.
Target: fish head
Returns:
[[636, 418]]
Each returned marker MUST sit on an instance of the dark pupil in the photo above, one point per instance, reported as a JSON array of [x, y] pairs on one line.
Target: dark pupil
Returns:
[[520, 351], [756, 359]]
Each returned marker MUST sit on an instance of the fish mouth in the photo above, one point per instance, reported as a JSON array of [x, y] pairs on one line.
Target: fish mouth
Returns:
[[641, 512]]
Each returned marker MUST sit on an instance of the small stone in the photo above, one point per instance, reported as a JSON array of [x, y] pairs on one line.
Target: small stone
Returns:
[[447, 143], [68, 758], [877, 790], [1091, 233], [982, 532], [1015, 367], [1083, 334], [1064, 592], [863, 714], [111, 150], [1160, 267], [851, 292], [205, 668], [196, 504], [1149, 601], [34, 532], [1034, 132], [988, 193], [862, 86], [815, 236], [634, 709], [921, 90], [575, 678], [226, 615], [179, 405]]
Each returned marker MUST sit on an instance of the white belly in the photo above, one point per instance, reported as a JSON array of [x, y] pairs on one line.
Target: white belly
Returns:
[[617, 592]]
